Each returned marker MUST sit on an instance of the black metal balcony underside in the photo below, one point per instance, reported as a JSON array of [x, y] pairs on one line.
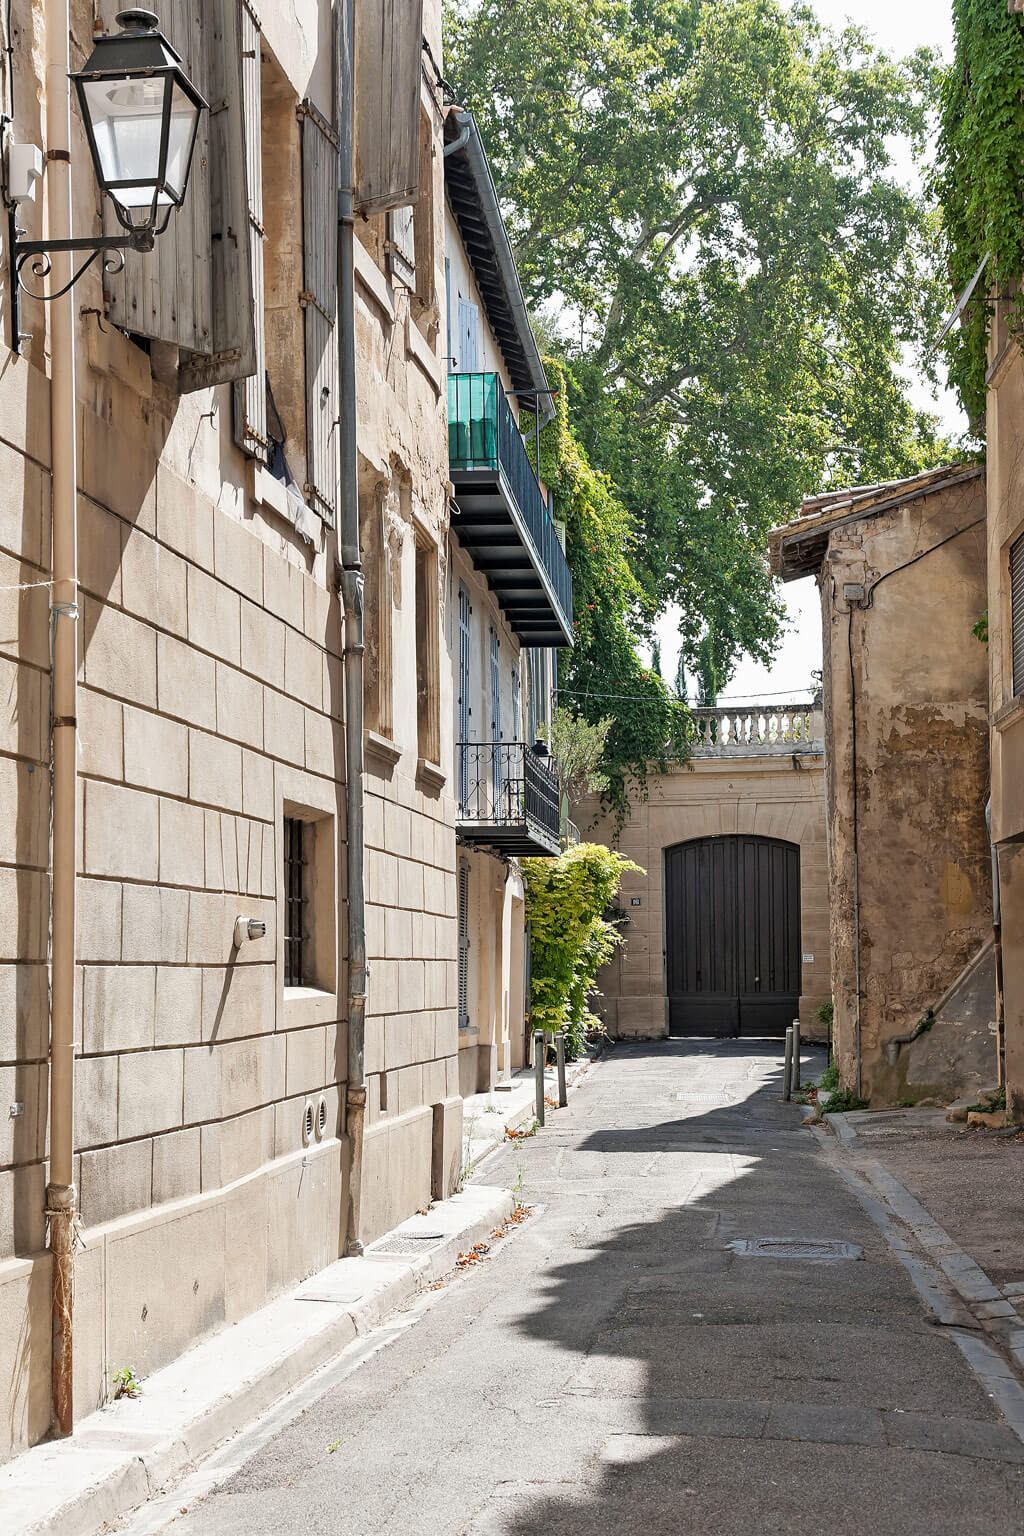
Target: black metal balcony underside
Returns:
[[508, 799]]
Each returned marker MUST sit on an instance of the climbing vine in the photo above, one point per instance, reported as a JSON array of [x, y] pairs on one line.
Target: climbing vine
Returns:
[[570, 938], [981, 178], [603, 675]]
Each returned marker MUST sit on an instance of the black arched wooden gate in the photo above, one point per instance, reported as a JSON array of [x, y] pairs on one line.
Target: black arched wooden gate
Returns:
[[732, 936]]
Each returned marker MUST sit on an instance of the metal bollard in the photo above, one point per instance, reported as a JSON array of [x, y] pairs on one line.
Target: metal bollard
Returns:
[[563, 1097], [796, 1056], [788, 1068], [539, 1053]]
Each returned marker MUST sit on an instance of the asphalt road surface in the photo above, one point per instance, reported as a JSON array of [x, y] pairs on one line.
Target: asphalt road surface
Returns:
[[621, 1363]]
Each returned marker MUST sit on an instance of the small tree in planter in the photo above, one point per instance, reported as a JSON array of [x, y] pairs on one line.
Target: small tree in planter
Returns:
[[566, 899]]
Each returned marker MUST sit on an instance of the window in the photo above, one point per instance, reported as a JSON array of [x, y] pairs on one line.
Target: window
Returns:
[[462, 695], [517, 724], [294, 902], [307, 915], [1017, 613], [428, 732]]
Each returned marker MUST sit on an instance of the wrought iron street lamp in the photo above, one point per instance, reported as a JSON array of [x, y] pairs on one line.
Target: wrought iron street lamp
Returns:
[[141, 113]]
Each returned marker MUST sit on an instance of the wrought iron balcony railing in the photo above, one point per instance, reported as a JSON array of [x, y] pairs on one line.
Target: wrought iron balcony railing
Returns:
[[508, 797], [501, 515]]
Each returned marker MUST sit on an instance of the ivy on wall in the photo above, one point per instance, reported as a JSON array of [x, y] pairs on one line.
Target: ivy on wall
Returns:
[[980, 180], [603, 676], [570, 939]]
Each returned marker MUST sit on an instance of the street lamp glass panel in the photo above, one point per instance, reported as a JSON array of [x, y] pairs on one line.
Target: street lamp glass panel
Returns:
[[184, 123], [127, 124]]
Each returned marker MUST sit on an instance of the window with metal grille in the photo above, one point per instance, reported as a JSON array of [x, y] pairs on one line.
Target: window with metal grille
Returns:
[[294, 901], [1017, 613]]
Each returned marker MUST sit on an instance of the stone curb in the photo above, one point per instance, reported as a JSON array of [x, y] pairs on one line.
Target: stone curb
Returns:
[[124, 1453], [980, 1303]]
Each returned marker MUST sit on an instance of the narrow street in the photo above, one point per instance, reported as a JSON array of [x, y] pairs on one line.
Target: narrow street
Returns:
[[617, 1364]]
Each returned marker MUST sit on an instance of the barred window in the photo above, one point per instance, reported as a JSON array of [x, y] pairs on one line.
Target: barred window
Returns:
[[294, 901], [1017, 613]]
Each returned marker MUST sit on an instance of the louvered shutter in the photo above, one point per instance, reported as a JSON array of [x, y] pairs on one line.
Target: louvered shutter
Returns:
[[402, 246], [192, 290], [233, 351], [388, 44], [1017, 613], [320, 300], [463, 946], [250, 393]]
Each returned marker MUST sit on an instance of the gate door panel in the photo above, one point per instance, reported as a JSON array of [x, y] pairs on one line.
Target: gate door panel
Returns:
[[732, 936]]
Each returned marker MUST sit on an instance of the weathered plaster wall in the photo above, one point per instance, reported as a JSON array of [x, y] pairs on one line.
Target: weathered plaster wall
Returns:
[[779, 797], [1005, 475], [916, 717]]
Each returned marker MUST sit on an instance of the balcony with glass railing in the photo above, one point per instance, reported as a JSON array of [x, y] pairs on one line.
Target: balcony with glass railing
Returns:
[[500, 515]]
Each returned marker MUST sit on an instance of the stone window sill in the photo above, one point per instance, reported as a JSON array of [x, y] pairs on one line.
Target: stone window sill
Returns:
[[432, 775], [310, 1005], [381, 748]]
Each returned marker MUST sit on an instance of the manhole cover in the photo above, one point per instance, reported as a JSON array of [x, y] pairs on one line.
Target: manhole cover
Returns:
[[794, 1248], [407, 1242], [704, 1098]]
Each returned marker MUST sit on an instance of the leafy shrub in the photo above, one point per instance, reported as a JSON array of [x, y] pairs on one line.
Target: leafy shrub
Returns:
[[566, 898], [824, 1013], [829, 1078], [840, 1102]]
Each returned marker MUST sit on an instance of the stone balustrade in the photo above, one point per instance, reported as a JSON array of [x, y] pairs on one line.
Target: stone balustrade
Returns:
[[757, 730]]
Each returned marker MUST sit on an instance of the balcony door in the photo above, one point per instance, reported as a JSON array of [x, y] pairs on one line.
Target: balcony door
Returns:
[[497, 776], [732, 936]]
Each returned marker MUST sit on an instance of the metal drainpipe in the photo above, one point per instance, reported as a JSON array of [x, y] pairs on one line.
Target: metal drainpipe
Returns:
[[61, 1195], [352, 595], [997, 951]]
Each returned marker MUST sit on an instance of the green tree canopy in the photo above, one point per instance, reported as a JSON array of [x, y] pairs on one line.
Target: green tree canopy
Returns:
[[703, 208]]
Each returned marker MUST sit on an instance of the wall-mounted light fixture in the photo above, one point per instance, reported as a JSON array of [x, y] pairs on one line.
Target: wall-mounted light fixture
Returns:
[[141, 114], [248, 929]]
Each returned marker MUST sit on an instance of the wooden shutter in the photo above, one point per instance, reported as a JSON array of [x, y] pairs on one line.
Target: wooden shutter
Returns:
[[320, 300], [250, 392], [232, 354], [192, 290], [388, 44], [463, 905], [517, 730], [402, 246], [469, 337], [1017, 613]]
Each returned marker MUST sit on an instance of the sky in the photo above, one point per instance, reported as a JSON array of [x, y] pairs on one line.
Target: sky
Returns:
[[899, 26]]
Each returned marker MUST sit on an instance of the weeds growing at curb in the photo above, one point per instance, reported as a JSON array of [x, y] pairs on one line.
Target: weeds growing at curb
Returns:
[[126, 1383]]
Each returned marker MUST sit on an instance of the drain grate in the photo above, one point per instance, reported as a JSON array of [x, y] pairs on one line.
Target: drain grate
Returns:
[[407, 1242], [705, 1098], [794, 1248]]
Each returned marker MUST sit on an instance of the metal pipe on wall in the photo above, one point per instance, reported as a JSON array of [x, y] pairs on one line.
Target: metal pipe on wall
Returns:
[[61, 1195], [352, 595]]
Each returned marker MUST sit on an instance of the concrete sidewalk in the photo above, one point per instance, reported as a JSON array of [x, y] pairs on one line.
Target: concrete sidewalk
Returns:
[[488, 1117], [959, 1192], [123, 1454]]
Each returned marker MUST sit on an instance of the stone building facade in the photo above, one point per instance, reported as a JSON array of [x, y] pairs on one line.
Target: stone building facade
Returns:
[[1005, 549], [901, 570], [755, 783], [211, 1148]]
